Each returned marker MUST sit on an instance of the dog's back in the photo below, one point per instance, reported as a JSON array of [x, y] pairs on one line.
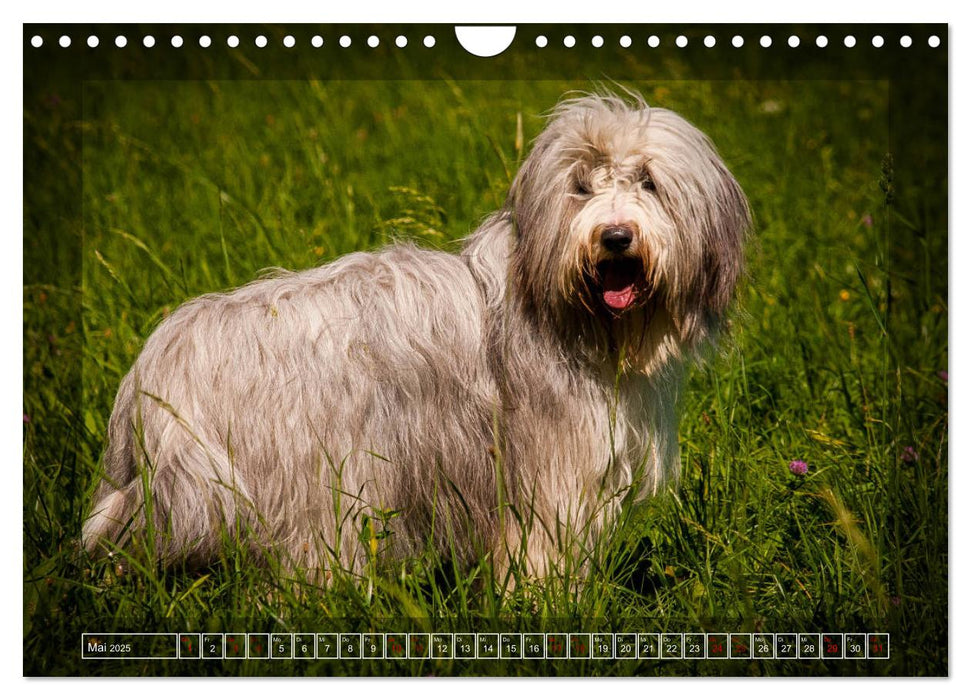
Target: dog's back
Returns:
[[293, 403]]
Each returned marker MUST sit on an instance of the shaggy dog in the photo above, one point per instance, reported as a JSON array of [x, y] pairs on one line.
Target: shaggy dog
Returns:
[[502, 401]]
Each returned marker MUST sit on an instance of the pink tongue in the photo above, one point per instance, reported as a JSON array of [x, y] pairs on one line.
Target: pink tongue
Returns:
[[620, 298], [618, 288]]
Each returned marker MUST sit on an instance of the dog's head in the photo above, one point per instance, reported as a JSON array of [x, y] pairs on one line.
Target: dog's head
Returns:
[[626, 213]]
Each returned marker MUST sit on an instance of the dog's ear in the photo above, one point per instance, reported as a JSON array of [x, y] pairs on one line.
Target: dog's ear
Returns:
[[726, 222], [539, 185], [712, 213]]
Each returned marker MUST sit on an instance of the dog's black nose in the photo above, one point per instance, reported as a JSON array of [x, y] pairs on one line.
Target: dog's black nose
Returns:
[[617, 239]]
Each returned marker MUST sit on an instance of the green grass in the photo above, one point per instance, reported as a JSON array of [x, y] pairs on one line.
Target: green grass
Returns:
[[837, 343]]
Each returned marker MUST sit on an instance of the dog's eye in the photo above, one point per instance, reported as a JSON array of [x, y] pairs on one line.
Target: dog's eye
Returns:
[[580, 187], [648, 184]]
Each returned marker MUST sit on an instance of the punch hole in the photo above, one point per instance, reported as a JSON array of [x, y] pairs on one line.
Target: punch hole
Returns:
[[261, 41], [738, 42], [709, 41], [121, 41], [64, 41], [93, 41], [401, 41], [626, 41], [177, 41], [289, 41], [766, 41], [373, 41], [597, 41], [653, 41], [36, 41], [204, 41], [877, 41], [541, 41], [344, 41], [569, 42], [233, 41], [317, 41], [485, 41], [149, 41], [850, 41], [905, 41], [681, 41], [429, 41], [821, 41], [934, 41], [793, 41]]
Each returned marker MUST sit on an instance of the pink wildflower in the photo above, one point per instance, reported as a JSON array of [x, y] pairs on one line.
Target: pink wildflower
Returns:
[[798, 467]]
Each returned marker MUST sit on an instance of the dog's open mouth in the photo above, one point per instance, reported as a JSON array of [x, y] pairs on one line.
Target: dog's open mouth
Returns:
[[620, 282]]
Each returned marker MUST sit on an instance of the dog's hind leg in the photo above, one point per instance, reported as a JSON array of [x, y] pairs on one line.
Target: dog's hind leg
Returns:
[[192, 501]]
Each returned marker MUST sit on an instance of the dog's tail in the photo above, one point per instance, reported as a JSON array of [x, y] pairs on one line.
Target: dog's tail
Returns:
[[110, 519], [117, 495]]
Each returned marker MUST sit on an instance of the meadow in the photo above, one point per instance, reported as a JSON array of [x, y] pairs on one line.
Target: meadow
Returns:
[[836, 357]]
